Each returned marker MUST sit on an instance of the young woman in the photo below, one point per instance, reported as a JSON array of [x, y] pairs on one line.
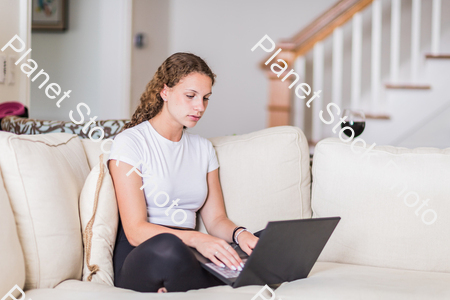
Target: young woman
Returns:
[[179, 175]]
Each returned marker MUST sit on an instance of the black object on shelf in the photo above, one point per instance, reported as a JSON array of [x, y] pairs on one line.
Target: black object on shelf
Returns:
[[25, 114]]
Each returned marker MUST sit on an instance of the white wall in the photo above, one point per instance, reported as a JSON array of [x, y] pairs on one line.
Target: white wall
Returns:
[[14, 19], [223, 32], [150, 17], [92, 59], [432, 133]]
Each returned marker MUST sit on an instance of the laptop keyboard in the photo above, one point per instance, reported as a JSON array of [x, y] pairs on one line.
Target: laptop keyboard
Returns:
[[225, 272]]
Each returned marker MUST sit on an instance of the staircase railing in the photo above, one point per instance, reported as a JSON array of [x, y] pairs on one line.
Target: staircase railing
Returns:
[[330, 24]]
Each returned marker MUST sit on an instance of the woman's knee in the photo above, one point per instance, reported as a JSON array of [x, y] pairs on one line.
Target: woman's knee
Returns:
[[163, 240], [163, 252], [165, 246]]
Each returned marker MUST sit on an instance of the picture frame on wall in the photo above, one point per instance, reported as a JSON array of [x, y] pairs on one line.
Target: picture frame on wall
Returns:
[[49, 15]]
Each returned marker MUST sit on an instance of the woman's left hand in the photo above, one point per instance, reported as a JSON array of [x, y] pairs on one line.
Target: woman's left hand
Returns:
[[247, 242]]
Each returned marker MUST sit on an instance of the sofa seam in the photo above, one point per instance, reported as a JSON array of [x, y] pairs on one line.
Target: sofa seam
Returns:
[[31, 219], [38, 141], [329, 142], [257, 136], [299, 186]]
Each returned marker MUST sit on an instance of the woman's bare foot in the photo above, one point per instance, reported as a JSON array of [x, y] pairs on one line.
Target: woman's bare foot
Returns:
[[162, 290]]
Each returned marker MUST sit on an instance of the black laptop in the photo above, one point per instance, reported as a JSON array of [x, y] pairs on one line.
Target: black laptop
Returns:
[[286, 251]]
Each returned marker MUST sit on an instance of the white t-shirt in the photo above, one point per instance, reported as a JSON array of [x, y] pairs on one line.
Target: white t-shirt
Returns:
[[171, 171]]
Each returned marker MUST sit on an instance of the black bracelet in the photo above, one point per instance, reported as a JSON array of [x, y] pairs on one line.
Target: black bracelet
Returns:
[[234, 232]]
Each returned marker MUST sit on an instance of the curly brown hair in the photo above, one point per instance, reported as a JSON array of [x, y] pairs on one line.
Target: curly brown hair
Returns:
[[171, 71]]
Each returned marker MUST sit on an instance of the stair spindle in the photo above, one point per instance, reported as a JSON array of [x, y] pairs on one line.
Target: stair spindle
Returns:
[[299, 104], [436, 27], [376, 53], [318, 66], [356, 59], [395, 39], [338, 46], [415, 38]]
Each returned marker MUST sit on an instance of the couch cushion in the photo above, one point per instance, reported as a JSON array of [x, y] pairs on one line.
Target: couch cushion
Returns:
[[350, 282], [44, 175], [265, 176], [99, 221], [12, 264], [394, 204], [76, 290], [326, 281]]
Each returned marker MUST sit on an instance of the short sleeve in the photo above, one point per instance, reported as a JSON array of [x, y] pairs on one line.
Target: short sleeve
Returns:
[[213, 162], [126, 148]]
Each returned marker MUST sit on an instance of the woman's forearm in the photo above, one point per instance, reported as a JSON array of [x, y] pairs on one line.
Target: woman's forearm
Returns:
[[145, 230], [222, 228]]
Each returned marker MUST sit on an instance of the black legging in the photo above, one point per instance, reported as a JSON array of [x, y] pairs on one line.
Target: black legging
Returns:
[[161, 261]]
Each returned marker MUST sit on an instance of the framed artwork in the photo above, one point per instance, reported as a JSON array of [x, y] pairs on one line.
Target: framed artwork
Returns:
[[49, 15]]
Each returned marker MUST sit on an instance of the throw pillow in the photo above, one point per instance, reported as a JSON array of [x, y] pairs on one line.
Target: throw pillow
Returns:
[[43, 175], [99, 219]]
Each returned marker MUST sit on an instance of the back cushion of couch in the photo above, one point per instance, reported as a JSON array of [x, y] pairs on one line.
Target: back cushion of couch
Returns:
[[12, 265], [394, 204], [264, 175], [44, 175]]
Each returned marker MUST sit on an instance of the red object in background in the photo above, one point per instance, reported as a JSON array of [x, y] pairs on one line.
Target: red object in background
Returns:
[[11, 108]]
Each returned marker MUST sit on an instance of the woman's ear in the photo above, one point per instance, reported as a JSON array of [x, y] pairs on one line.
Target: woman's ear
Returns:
[[164, 92]]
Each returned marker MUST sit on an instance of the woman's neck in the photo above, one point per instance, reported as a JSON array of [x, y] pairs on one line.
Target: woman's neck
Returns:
[[165, 129]]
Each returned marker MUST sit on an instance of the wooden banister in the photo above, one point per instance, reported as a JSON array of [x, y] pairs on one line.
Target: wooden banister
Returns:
[[280, 102], [321, 27]]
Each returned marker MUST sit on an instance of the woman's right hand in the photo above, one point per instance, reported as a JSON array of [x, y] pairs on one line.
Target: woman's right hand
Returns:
[[218, 251]]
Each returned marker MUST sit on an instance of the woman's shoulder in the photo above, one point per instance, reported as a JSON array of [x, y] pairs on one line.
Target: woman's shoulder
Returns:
[[135, 134], [199, 139], [138, 129]]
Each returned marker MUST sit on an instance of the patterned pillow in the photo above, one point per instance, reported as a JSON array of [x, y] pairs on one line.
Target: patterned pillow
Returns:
[[19, 125]]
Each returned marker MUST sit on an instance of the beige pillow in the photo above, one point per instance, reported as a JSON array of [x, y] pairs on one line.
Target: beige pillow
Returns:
[[99, 219], [44, 175], [12, 264], [264, 175]]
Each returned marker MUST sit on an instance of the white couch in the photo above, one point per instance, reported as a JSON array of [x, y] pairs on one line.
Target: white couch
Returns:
[[381, 249]]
